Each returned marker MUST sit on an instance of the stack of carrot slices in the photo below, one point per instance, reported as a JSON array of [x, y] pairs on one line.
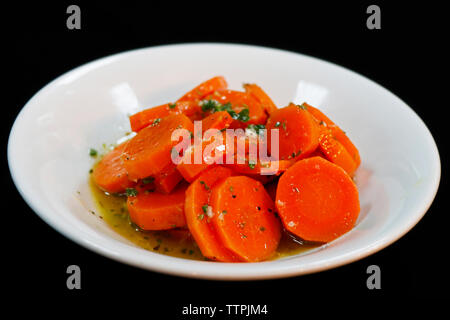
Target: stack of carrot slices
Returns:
[[228, 210]]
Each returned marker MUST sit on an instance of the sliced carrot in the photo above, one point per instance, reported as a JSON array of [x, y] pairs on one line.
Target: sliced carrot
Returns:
[[317, 200], [205, 88], [198, 221], [269, 168], [149, 152], [110, 174], [239, 101], [336, 153], [243, 215], [151, 210], [337, 132], [148, 116], [298, 132], [261, 96], [218, 120], [190, 170], [168, 179]]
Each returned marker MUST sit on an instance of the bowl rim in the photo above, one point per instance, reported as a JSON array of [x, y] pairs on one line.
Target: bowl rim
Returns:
[[202, 269]]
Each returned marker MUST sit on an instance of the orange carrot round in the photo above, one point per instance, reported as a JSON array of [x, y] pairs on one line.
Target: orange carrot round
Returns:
[[205, 88], [151, 210], [337, 132], [239, 101], [110, 174], [261, 96], [336, 153], [317, 200], [198, 221], [243, 215], [298, 132], [149, 152], [218, 120], [146, 117], [168, 179]]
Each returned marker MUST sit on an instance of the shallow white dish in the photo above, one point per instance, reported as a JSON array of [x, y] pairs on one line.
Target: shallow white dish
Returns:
[[88, 106]]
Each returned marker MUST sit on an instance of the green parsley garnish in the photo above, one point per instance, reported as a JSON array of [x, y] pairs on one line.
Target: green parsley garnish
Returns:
[[205, 208], [92, 152], [251, 165], [131, 192], [156, 121], [256, 127], [214, 106], [204, 185], [224, 212], [200, 216], [284, 125], [148, 180], [302, 106], [277, 124], [172, 105]]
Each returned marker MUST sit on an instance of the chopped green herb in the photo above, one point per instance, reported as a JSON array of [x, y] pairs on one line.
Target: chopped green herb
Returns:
[[284, 125], [131, 192], [191, 252], [204, 185], [224, 212], [210, 105], [172, 105], [256, 127], [90, 171], [205, 208], [200, 216], [244, 115], [93, 152], [156, 121], [277, 124], [148, 180], [262, 228], [251, 165], [302, 106]]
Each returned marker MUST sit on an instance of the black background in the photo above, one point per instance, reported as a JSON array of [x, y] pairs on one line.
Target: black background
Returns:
[[406, 56]]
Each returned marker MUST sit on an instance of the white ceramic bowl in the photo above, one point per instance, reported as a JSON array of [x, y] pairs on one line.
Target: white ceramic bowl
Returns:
[[49, 143]]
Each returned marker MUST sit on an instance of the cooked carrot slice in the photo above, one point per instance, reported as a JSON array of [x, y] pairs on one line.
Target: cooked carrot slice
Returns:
[[336, 153], [205, 88], [337, 132], [168, 179], [243, 215], [191, 170], [298, 132], [110, 174], [149, 152], [151, 210], [198, 221], [317, 200], [239, 101], [148, 116], [218, 120], [269, 168], [261, 96]]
